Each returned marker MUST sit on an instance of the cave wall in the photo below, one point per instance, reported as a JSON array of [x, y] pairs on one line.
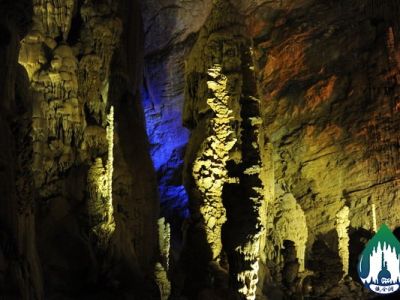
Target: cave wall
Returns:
[[169, 27], [331, 109], [328, 81]]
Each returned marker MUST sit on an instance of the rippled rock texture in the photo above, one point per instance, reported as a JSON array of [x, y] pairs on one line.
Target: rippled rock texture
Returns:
[[328, 79], [267, 131], [80, 209]]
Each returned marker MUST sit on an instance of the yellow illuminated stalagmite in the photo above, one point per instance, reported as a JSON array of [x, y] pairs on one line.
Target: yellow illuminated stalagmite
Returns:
[[100, 206], [286, 221], [224, 169], [68, 78], [342, 226], [374, 225], [209, 169], [110, 159], [161, 268], [164, 241]]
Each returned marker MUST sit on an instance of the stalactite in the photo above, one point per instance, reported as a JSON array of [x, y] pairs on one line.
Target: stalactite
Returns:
[[59, 113], [55, 15], [69, 67], [342, 226], [100, 37], [91, 84], [65, 82]]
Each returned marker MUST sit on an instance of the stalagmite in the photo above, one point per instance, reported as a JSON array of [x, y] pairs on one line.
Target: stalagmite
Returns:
[[161, 269], [374, 225], [209, 168], [164, 240], [110, 158], [100, 206], [162, 281], [222, 107], [342, 226], [287, 221]]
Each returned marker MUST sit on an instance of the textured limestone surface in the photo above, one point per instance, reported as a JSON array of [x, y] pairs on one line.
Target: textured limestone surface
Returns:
[[330, 103], [328, 79], [72, 226], [286, 179], [223, 167]]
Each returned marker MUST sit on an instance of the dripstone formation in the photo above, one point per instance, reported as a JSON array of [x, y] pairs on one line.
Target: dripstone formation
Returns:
[[211, 149], [223, 161], [79, 218]]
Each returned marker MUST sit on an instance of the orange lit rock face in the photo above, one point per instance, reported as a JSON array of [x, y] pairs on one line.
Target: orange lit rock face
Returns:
[[285, 62], [330, 95]]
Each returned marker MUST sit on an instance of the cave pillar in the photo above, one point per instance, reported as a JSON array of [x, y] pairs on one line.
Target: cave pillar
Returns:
[[223, 161]]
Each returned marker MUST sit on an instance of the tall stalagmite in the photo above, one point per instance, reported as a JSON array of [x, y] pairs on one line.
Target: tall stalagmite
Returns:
[[223, 164]]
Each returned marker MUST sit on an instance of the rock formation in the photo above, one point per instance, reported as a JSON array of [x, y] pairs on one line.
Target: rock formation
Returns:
[[328, 109], [267, 132], [162, 268], [223, 157], [286, 222], [79, 223], [100, 180], [342, 226]]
